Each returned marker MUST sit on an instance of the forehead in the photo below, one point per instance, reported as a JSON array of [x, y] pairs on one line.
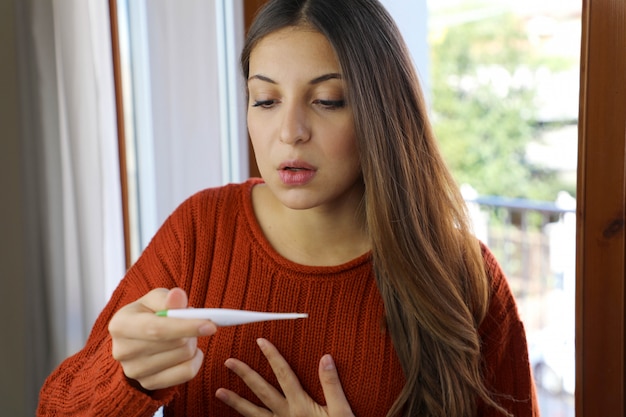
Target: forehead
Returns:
[[293, 49]]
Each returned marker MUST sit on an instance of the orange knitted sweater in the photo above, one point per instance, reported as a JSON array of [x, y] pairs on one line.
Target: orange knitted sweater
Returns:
[[213, 248]]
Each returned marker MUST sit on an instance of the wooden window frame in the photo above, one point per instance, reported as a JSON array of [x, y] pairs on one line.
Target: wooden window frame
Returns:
[[601, 211], [121, 135]]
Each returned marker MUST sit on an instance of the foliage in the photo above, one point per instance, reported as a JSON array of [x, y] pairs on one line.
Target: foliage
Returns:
[[483, 110]]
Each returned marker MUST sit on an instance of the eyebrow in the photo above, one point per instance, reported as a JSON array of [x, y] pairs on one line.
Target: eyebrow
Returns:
[[316, 80]]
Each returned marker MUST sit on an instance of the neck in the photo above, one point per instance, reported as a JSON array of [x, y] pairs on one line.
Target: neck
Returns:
[[318, 236]]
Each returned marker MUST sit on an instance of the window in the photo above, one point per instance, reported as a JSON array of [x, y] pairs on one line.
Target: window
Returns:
[[504, 78]]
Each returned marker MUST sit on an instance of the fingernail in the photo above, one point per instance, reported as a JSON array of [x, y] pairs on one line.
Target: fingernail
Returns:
[[327, 363], [261, 343], [206, 330], [221, 394]]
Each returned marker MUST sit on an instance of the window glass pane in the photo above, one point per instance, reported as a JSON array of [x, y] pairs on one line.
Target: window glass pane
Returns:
[[504, 80]]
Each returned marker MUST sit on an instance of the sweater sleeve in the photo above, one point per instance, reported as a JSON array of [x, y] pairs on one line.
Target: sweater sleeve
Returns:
[[507, 370], [91, 382]]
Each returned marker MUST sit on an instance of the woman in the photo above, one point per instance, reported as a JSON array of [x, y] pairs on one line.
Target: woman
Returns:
[[356, 221]]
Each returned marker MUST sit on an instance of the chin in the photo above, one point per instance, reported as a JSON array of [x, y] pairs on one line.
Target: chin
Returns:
[[297, 203]]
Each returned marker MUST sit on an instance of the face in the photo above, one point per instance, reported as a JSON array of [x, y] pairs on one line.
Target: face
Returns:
[[301, 126]]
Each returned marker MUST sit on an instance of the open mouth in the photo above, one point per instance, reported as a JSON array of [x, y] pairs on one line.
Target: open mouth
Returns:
[[296, 169], [296, 173], [295, 166]]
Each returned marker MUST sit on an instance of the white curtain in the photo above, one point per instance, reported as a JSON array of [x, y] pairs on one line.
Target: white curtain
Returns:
[[75, 229], [92, 214], [73, 181]]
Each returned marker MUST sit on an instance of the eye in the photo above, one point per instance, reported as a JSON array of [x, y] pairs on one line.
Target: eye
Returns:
[[265, 104], [330, 104]]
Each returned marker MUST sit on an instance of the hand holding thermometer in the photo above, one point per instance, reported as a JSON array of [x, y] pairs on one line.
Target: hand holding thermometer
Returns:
[[228, 317]]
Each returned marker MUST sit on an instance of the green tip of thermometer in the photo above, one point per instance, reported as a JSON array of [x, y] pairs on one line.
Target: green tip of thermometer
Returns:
[[228, 317]]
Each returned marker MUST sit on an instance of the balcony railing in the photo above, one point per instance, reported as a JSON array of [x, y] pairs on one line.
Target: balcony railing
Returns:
[[534, 242]]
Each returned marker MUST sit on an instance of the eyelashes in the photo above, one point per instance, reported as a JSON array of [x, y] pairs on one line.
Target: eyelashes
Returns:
[[324, 104], [266, 104], [331, 104]]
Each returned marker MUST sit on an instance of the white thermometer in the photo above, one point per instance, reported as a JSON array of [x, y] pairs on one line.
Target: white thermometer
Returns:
[[227, 316]]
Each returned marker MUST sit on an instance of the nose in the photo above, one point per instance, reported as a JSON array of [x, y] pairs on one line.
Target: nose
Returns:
[[295, 124]]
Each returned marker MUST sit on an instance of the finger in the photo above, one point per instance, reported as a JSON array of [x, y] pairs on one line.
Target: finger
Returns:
[[175, 375], [132, 323], [130, 348], [176, 298], [241, 405], [138, 321], [155, 299], [336, 401], [269, 395], [286, 377], [141, 366]]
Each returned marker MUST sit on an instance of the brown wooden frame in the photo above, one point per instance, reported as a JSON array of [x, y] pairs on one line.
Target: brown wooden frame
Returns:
[[121, 135], [601, 211]]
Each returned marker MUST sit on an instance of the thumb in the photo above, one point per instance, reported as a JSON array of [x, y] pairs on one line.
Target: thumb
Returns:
[[176, 298]]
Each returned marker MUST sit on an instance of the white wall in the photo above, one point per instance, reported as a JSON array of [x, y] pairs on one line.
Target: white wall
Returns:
[[412, 20]]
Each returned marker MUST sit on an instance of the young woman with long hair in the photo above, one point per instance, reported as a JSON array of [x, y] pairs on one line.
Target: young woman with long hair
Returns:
[[356, 221]]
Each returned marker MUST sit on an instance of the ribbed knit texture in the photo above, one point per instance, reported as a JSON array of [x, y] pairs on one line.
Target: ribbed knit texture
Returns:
[[213, 248]]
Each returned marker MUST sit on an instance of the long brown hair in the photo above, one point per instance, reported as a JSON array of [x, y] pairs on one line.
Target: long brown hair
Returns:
[[427, 263]]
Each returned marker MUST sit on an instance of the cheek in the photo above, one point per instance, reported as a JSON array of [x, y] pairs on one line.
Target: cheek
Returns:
[[354, 153], [258, 149], [257, 133], [346, 145], [346, 155], [252, 127]]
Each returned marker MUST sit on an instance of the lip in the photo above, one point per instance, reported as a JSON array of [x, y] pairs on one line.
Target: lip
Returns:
[[296, 172], [296, 164]]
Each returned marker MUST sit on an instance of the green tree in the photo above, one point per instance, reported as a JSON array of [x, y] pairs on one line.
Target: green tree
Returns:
[[483, 107]]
